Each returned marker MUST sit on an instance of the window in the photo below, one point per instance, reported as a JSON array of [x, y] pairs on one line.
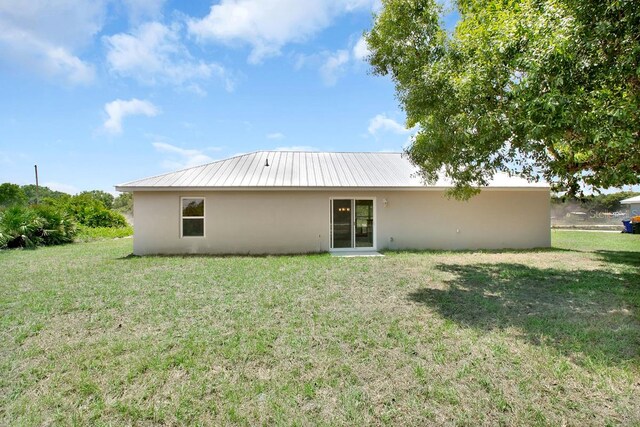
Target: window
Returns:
[[192, 217]]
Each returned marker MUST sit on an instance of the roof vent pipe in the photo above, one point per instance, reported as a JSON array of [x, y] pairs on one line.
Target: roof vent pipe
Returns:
[[266, 163]]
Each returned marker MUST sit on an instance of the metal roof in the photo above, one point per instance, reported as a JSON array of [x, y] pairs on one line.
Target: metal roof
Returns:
[[302, 170], [631, 200]]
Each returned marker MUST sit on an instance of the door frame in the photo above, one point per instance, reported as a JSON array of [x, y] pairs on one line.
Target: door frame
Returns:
[[353, 226]]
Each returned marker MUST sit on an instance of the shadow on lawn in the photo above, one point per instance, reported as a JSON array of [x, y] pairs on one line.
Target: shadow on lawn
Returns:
[[580, 313], [620, 257]]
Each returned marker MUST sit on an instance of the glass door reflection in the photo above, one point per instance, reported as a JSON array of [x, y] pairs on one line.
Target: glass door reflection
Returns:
[[364, 223], [342, 223]]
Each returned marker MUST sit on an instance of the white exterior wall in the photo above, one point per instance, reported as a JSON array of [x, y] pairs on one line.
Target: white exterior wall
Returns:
[[252, 222], [634, 209]]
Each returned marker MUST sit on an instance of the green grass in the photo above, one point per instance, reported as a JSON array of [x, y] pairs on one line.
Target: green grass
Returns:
[[88, 234], [595, 241], [93, 336]]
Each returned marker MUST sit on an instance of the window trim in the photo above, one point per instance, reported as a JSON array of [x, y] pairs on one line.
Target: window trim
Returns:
[[203, 218]]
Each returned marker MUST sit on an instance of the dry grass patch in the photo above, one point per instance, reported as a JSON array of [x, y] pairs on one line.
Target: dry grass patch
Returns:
[[551, 337]]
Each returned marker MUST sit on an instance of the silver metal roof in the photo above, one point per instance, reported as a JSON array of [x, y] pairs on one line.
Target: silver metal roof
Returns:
[[300, 170], [631, 200]]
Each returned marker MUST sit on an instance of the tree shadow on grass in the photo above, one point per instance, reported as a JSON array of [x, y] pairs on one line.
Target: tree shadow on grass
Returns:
[[592, 314], [620, 257]]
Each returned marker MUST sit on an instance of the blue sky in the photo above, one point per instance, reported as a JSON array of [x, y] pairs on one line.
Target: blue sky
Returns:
[[105, 91], [99, 92]]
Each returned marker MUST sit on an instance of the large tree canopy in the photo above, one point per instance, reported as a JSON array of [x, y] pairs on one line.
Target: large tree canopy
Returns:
[[537, 88]]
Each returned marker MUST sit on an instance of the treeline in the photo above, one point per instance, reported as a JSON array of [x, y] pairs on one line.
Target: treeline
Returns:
[[600, 202], [30, 218]]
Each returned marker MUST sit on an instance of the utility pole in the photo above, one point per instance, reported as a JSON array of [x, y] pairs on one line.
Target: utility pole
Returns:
[[36, 168]]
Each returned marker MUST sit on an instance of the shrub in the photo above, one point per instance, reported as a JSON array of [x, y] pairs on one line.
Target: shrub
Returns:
[[23, 227], [56, 228], [86, 234], [89, 211], [18, 226]]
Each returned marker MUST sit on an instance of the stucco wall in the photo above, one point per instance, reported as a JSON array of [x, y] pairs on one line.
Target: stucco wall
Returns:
[[299, 221]]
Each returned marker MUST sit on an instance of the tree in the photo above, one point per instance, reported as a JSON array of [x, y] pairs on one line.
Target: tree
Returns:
[[11, 195], [124, 203], [43, 192], [534, 88], [102, 196]]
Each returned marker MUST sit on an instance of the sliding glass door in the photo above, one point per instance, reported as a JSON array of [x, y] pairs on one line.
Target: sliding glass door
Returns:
[[352, 223], [342, 224]]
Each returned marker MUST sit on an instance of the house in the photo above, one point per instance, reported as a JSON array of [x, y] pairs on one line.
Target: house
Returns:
[[634, 205], [297, 202]]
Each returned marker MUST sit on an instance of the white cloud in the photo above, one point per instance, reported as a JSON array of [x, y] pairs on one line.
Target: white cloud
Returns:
[[361, 50], [46, 37], [275, 135], [119, 109], [382, 123], [268, 25], [65, 188], [297, 148], [183, 158], [154, 53], [139, 10], [334, 66]]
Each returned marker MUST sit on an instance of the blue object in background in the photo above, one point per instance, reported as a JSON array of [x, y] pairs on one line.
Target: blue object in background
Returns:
[[628, 228]]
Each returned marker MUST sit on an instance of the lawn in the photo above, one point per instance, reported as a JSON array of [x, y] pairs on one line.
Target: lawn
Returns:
[[93, 336]]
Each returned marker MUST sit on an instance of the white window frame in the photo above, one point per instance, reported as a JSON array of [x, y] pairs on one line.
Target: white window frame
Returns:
[[203, 218]]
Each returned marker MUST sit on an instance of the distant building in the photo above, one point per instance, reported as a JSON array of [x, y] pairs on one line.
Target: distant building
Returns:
[[634, 205]]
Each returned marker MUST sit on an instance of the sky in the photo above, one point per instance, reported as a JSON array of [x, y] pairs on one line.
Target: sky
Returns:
[[102, 92]]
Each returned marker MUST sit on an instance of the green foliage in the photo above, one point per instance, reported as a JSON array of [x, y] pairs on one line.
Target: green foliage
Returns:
[[54, 220], [86, 234], [534, 88], [43, 192], [102, 196], [11, 194], [28, 227], [124, 203], [88, 210], [18, 226], [57, 226]]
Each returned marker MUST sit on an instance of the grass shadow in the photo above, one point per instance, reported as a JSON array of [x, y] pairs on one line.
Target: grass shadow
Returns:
[[471, 251], [582, 314], [620, 257]]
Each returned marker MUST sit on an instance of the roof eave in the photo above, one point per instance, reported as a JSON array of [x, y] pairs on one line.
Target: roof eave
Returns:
[[128, 189]]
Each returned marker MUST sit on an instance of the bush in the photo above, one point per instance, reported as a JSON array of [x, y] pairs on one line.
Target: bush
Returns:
[[57, 227], [89, 211], [18, 227], [24, 227], [86, 234]]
